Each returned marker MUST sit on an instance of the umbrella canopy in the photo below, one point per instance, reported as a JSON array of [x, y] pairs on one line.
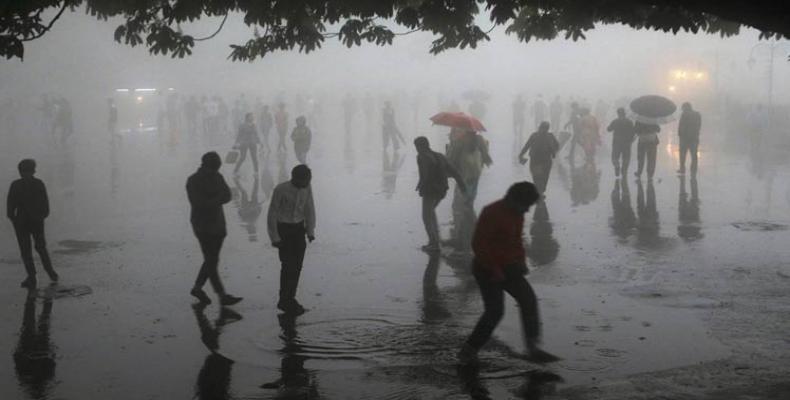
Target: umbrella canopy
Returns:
[[458, 120], [653, 109]]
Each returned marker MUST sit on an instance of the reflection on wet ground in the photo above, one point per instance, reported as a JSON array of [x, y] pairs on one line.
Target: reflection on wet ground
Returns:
[[625, 288]]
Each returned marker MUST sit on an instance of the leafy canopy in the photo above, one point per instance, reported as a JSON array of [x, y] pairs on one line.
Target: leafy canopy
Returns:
[[305, 25]]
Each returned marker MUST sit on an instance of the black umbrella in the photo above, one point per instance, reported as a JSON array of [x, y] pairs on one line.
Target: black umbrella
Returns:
[[653, 109]]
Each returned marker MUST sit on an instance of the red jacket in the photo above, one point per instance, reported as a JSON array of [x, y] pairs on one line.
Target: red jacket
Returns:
[[497, 241]]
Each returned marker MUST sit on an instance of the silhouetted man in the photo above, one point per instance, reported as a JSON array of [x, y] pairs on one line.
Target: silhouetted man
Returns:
[[539, 110], [519, 119], [291, 218], [207, 192], [389, 129], [27, 208], [555, 111], [247, 142], [281, 123], [688, 132], [646, 148], [542, 147], [433, 169], [573, 123], [622, 138], [499, 267], [302, 138], [266, 123]]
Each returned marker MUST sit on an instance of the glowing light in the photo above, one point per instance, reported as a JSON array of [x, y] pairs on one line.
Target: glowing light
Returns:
[[700, 75], [145, 90], [672, 89], [139, 99], [171, 89], [122, 90]]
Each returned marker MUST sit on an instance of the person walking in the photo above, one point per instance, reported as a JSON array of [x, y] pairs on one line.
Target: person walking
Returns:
[[646, 148], [281, 123], [539, 110], [499, 266], [207, 192], [302, 138], [27, 207], [519, 119], [542, 147], [688, 133], [573, 122], [555, 112], [589, 134], [290, 219], [622, 130], [432, 186], [266, 122], [468, 154], [247, 142], [389, 128]]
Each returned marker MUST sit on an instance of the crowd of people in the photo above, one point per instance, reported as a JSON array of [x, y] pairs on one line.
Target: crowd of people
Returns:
[[492, 241]]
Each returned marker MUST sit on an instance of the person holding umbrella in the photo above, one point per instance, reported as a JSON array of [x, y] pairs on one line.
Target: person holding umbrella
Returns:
[[646, 148], [649, 112]]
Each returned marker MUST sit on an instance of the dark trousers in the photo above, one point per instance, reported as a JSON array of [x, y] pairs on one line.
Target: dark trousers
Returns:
[[210, 245], [540, 173], [300, 150], [646, 152], [429, 204], [621, 157], [291, 251], [688, 146], [494, 302], [253, 150], [28, 233]]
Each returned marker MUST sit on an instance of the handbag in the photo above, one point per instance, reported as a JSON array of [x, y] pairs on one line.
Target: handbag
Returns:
[[232, 157]]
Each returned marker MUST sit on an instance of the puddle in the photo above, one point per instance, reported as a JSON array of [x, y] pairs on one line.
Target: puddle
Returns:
[[61, 291], [70, 247], [754, 226]]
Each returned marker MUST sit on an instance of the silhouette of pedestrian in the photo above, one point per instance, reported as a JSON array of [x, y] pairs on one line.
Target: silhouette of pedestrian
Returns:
[[281, 123], [302, 138], [291, 218], [646, 148], [433, 169], [542, 147], [247, 142], [266, 121], [207, 192], [688, 133], [27, 208], [499, 267], [622, 130]]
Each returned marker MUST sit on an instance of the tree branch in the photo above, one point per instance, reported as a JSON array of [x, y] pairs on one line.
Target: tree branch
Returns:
[[215, 33], [48, 27]]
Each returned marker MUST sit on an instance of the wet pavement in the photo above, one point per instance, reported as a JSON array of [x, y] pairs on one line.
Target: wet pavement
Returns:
[[674, 288]]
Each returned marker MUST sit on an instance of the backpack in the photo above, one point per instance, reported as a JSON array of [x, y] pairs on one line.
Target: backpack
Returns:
[[436, 176]]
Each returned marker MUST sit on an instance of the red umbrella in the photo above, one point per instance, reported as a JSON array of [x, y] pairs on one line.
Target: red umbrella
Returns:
[[458, 120]]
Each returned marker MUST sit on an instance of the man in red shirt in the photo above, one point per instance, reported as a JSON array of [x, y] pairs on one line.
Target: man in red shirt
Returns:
[[500, 266]]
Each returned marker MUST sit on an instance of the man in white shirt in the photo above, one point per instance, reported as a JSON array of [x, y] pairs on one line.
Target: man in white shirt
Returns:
[[292, 218]]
